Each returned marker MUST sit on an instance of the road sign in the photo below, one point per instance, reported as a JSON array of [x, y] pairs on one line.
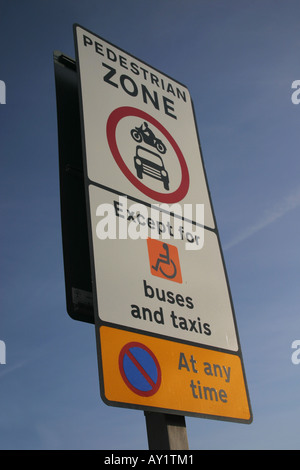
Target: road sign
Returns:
[[188, 380], [160, 289], [127, 104], [136, 288]]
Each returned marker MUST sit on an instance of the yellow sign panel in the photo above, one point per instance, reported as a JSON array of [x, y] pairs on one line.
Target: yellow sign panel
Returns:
[[153, 373]]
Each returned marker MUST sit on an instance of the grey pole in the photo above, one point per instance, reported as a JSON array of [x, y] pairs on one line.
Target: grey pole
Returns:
[[166, 432]]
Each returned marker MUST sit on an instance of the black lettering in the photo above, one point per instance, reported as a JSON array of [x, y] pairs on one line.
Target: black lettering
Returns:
[[151, 223], [145, 311], [170, 228], [139, 216], [111, 55], [180, 300], [135, 312], [208, 393], [183, 323], [123, 62], [181, 94], [160, 294], [99, 48], [130, 215], [170, 89], [193, 386], [118, 210], [193, 362], [217, 370], [207, 368], [223, 396], [109, 75], [154, 79], [168, 107], [87, 41], [183, 363], [161, 297], [159, 316], [207, 330], [170, 296], [153, 99], [193, 325], [144, 72], [199, 389], [147, 289], [134, 90], [134, 68], [173, 316], [211, 391]]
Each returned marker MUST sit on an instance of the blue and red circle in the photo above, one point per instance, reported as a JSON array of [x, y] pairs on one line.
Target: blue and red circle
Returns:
[[140, 369]]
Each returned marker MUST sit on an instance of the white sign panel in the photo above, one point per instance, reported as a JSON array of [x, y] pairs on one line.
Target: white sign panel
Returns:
[[153, 273], [139, 127], [184, 299]]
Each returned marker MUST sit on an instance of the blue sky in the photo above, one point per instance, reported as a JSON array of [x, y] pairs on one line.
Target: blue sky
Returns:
[[238, 59]]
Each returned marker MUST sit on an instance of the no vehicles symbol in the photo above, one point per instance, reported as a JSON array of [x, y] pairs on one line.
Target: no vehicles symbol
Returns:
[[140, 369], [148, 159]]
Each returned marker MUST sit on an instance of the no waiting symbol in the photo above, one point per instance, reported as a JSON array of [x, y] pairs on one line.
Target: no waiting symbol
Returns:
[[140, 369]]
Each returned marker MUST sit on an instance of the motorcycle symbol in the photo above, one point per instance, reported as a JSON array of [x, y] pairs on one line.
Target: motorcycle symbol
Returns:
[[139, 134]]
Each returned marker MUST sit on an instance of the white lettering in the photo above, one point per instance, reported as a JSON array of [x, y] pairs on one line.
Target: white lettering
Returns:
[[2, 92], [2, 352], [296, 354], [164, 222], [296, 94]]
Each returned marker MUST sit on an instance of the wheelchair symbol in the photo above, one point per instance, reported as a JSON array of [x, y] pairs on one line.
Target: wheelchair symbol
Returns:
[[164, 260]]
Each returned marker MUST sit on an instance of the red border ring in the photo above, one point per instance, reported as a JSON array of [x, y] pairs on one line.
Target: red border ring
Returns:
[[111, 127], [123, 351]]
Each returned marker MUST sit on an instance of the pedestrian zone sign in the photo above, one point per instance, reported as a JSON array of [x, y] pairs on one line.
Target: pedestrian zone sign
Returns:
[[166, 331]]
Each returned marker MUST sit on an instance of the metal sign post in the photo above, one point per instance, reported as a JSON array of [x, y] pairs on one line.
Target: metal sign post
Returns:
[[166, 432]]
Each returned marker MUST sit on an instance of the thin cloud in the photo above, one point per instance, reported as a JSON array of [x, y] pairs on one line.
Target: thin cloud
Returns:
[[8, 369], [291, 202]]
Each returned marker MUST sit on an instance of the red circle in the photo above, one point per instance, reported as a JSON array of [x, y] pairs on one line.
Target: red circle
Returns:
[[156, 385], [111, 127]]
